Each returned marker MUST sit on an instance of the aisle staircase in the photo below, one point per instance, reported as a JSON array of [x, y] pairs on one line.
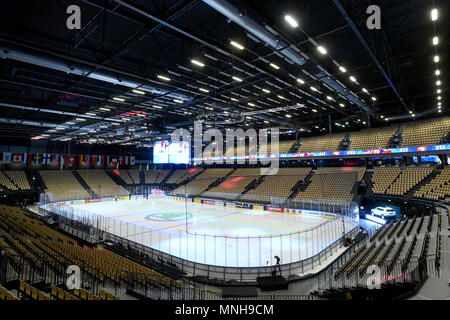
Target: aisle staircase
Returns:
[[301, 185], [422, 183], [84, 184]]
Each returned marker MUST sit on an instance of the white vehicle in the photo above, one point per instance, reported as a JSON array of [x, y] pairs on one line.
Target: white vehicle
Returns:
[[383, 212]]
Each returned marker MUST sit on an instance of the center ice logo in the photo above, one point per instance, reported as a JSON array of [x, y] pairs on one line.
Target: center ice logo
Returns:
[[168, 216]]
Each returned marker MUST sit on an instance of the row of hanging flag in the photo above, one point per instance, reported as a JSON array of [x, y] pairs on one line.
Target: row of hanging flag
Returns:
[[70, 159]]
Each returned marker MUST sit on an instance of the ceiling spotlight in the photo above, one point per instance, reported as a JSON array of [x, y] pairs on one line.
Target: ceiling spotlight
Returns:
[[435, 41], [434, 14], [314, 110], [266, 91], [413, 115], [352, 78], [198, 63], [313, 89], [178, 101], [410, 112], [236, 78], [342, 69], [104, 109], [437, 72], [438, 83], [156, 106], [291, 21], [163, 78], [118, 99], [251, 104], [237, 45], [374, 99], [288, 116], [439, 91], [341, 105], [234, 99], [436, 58], [365, 90], [439, 98], [138, 91], [203, 90], [330, 98], [274, 66], [301, 81], [322, 50]]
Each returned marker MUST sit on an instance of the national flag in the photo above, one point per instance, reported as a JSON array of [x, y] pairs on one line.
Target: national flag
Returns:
[[71, 159], [80, 159], [63, 159], [121, 160], [37, 158], [46, 158], [27, 158], [54, 159], [114, 160], [6, 157], [17, 158], [94, 159], [127, 160], [86, 159], [101, 160], [132, 160]]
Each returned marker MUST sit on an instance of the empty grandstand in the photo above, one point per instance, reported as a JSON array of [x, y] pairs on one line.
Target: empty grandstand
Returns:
[[224, 150]]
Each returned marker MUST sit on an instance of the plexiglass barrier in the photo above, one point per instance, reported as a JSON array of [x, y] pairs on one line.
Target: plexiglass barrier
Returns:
[[151, 219]]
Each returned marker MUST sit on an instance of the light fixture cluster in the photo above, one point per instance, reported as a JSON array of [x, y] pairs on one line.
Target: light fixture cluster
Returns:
[[323, 51], [436, 59]]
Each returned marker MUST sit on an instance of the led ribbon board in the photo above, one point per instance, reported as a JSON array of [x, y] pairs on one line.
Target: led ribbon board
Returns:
[[444, 147]]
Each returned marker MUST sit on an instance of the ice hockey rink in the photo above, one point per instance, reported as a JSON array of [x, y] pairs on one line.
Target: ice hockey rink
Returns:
[[212, 234]]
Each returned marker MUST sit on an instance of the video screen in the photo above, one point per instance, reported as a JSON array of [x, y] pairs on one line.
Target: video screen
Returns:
[[161, 152], [179, 152], [382, 212], [427, 159]]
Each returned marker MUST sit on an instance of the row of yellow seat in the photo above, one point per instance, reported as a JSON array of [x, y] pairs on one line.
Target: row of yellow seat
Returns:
[[6, 295], [31, 292], [60, 294]]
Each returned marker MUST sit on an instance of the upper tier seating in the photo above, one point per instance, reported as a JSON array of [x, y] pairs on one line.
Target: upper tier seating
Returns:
[[436, 189], [283, 147], [370, 139], [324, 143], [427, 132], [62, 185], [101, 183]]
